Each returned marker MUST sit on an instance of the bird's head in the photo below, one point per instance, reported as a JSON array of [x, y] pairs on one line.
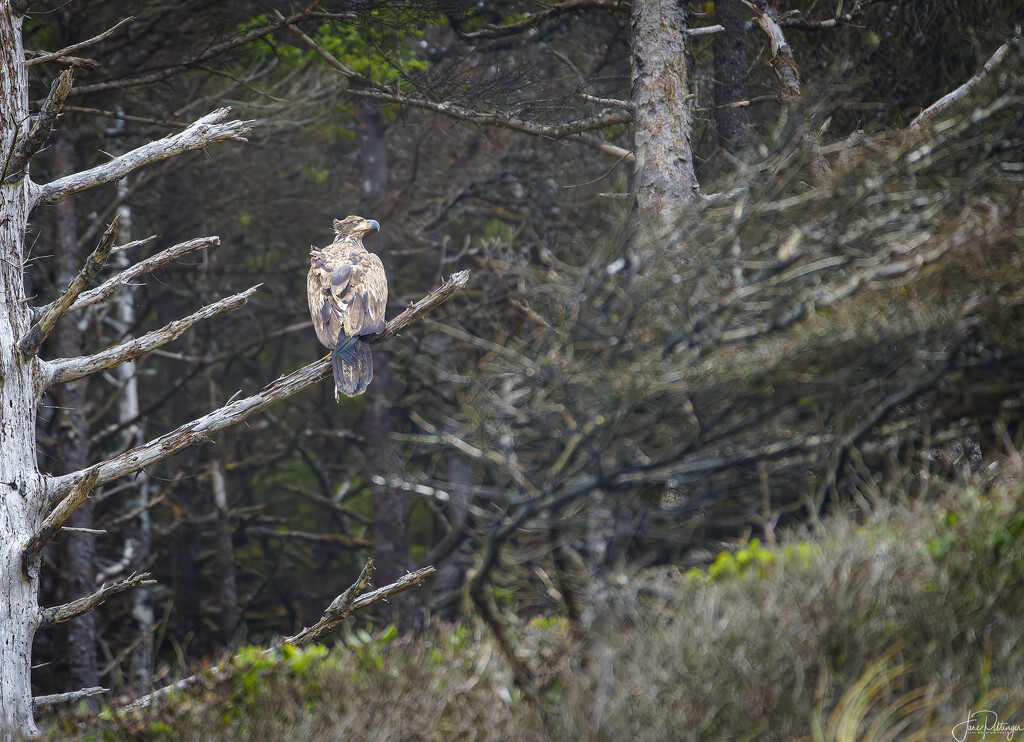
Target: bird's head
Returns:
[[354, 226]]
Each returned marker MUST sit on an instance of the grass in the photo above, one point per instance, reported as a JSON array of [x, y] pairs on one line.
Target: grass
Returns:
[[894, 626]]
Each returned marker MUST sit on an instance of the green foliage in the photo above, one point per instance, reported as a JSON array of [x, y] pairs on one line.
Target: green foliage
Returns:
[[374, 47], [753, 560]]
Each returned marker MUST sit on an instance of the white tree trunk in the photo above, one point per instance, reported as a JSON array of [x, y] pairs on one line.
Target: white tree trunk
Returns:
[[21, 486]]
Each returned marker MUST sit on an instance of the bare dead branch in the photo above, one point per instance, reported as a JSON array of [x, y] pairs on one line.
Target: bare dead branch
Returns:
[[536, 19], [63, 370], [70, 697], [42, 125], [343, 606], [420, 309], [77, 490], [58, 614], [104, 290], [67, 50], [235, 412], [592, 140], [705, 30], [205, 131], [348, 602], [62, 305], [946, 102], [782, 55]]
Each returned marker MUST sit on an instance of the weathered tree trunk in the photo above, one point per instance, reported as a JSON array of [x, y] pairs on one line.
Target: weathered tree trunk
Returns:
[[21, 486], [225, 550], [665, 181], [78, 549], [128, 415], [730, 64]]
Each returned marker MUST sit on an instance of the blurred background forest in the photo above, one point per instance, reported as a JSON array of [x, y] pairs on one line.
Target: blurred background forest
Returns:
[[837, 328]]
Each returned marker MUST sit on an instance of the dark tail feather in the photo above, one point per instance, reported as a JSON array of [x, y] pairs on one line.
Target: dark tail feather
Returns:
[[353, 366]]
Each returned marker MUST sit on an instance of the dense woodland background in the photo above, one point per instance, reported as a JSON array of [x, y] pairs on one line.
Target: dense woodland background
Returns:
[[838, 334]]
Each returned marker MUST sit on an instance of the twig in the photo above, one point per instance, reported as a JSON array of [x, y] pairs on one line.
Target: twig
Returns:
[[63, 370], [58, 614], [57, 309], [235, 412]]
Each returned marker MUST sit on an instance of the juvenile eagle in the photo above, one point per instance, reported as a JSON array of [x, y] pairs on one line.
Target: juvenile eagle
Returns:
[[347, 292]]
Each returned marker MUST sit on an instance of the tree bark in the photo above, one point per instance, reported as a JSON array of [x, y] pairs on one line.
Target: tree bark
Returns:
[[78, 549], [730, 65], [20, 482], [665, 181]]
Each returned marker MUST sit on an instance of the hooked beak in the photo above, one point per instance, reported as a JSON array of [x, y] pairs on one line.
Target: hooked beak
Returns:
[[373, 224]]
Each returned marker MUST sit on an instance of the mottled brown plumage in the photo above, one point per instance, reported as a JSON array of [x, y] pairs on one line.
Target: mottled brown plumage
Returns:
[[347, 291]]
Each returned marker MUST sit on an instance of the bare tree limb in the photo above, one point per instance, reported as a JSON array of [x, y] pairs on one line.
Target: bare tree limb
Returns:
[[78, 488], [943, 104], [63, 370], [70, 697], [235, 412], [58, 614], [62, 305], [63, 53], [352, 600], [104, 290], [343, 606], [705, 30], [420, 309], [205, 131], [42, 125]]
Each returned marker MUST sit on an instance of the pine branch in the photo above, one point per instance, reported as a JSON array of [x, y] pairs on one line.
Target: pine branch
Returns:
[[58, 614], [63, 54], [235, 412], [54, 311], [542, 16], [63, 370], [365, 87], [207, 130]]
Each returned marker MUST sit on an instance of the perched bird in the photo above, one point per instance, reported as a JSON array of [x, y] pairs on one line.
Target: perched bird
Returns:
[[347, 291]]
